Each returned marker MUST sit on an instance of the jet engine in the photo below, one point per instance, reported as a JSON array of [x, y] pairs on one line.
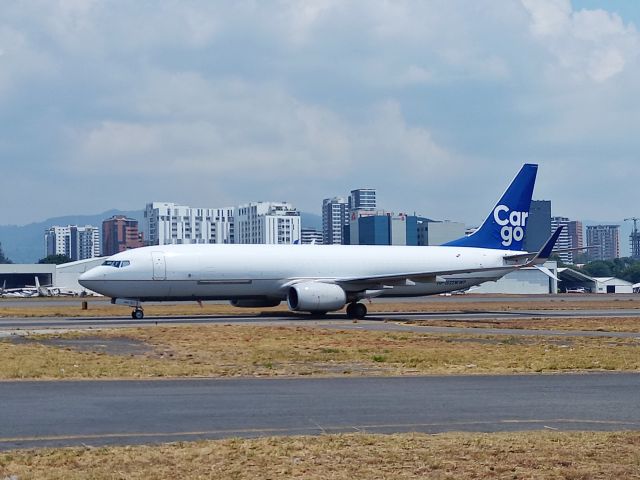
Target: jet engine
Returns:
[[255, 302], [316, 297]]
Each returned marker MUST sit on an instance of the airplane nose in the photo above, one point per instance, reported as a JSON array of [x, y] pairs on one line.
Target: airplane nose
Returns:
[[89, 278]]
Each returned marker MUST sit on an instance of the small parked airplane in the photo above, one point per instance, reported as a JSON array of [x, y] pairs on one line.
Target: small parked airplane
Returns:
[[324, 278], [37, 290]]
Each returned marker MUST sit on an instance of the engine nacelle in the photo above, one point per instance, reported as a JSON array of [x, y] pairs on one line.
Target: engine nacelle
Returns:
[[316, 297], [255, 302]]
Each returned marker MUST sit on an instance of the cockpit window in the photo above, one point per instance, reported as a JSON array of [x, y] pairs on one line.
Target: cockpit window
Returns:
[[116, 263]]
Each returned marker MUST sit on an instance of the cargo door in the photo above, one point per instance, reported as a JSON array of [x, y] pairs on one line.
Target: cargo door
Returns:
[[159, 266]]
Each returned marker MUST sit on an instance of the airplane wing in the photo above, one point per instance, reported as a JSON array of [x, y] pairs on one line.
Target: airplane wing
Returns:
[[419, 277], [514, 261], [382, 282]]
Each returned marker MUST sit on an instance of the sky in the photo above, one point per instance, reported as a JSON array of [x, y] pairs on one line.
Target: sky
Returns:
[[435, 103]]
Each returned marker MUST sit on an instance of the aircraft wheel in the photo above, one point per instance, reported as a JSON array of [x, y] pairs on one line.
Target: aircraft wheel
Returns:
[[138, 314], [356, 310], [133, 314], [360, 311]]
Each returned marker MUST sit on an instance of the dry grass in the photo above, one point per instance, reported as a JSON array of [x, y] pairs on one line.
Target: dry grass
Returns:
[[532, 455], [214, 350], [593, 324], [102, 308]]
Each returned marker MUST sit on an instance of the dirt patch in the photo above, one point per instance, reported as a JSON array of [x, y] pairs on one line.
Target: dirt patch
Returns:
[[95, 344]]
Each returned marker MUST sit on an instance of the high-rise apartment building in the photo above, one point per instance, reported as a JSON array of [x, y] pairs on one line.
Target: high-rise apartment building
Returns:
[[168, 223], [576, 234], [77, 243], [311, 236], [120, 233], [335, 215], [362, 199], [606, 239], [267, 222], [564, 240]]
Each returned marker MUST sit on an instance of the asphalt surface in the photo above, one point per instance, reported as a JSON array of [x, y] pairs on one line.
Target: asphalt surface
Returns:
[[629, 298], [36, 414], [377, 321]]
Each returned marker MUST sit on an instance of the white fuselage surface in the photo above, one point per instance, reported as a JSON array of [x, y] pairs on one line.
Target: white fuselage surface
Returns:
[[230, 272]]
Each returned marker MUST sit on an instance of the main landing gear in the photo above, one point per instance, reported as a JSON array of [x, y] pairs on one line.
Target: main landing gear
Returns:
[[356, 310], [137, 314]]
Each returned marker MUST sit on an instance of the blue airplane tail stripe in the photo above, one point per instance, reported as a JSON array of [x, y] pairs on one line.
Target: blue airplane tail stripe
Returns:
[[505, 227]]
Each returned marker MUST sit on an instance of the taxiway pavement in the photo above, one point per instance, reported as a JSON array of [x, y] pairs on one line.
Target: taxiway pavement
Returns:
[[44, 413], [376, 321]]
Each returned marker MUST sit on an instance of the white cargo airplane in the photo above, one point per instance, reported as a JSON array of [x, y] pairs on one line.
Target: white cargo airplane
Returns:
[[323, 278]]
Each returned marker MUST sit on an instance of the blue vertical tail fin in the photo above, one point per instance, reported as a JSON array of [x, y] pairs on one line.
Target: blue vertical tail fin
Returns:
[[505, 227]]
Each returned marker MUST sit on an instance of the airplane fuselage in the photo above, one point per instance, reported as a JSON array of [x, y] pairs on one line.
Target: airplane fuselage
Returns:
[[229, 272]]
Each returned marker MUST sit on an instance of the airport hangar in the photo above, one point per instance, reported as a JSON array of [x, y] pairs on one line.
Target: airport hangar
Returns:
[[62, 276], [524, 281]]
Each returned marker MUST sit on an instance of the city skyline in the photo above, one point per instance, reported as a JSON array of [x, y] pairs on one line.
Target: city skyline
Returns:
[[433, 103], [223, 220]]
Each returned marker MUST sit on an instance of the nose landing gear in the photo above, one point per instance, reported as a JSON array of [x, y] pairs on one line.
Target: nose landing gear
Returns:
[[356, 310], [137, 314]]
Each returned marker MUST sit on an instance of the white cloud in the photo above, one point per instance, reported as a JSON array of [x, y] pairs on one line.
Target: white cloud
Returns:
[[226, 100], [20, 60], [592, 44], [250, 128]]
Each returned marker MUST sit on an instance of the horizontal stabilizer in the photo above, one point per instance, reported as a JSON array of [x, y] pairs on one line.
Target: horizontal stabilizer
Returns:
[[543, 254], [547, 272]]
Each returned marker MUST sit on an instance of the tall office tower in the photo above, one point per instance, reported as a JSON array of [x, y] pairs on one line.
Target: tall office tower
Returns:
[[168, 223], [576, 233], [77, 243], [607, 240], [362, 199], [382, 228], [267, 222], [335, 215], [120, 233], [538, 225], [311, 236], [435, 232]]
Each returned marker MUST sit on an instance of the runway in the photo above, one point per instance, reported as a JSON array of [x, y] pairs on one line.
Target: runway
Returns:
[[36, 414], [375, 321]]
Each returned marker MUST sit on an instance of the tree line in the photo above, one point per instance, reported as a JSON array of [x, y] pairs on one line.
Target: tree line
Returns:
[[625, 268]]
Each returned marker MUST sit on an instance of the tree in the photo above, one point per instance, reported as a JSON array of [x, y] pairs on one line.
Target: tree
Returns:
[[632, 274], [3, 259], [599, 268], [55, 259]]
